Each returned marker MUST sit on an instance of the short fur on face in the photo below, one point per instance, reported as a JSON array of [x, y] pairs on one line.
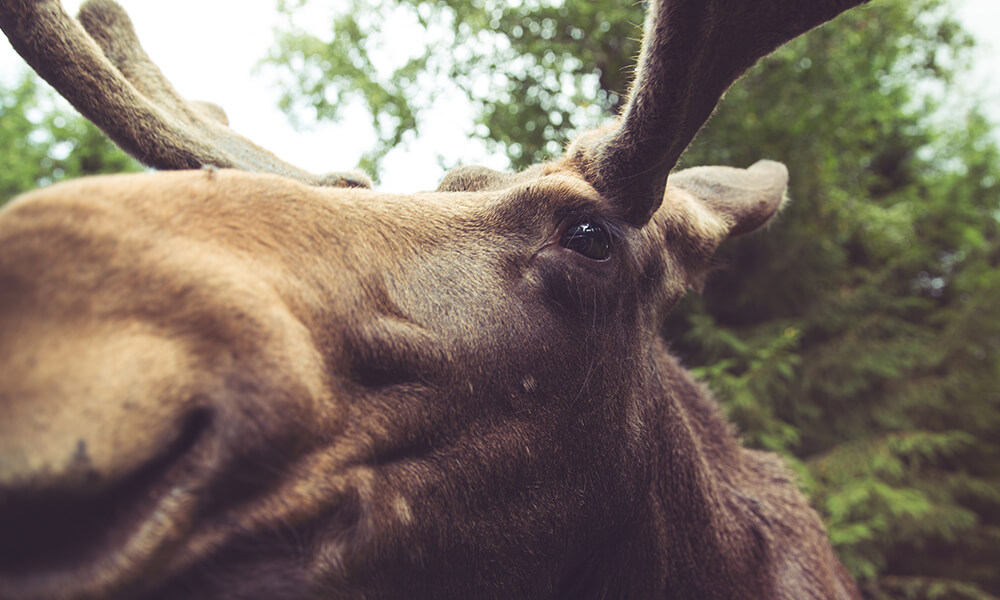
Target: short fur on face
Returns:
[[362, 393], [222, 383]]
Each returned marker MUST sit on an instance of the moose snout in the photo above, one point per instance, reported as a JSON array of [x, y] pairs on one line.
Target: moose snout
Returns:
[[95, 441]]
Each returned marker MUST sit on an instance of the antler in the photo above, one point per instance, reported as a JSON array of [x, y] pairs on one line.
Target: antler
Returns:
[[692, 52], [103, 71]]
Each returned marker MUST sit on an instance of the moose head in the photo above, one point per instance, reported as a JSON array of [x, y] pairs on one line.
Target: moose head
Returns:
[[243, 380]]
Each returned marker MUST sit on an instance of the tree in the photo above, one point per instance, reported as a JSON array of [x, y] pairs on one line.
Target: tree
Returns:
[[41, 143], [536, 71]]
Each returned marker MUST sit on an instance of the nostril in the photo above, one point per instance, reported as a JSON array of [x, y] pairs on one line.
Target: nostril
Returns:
[[64, 525]]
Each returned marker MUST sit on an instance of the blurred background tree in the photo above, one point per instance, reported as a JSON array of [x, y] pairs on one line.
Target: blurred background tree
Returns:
[[858, 336], [42, 142]]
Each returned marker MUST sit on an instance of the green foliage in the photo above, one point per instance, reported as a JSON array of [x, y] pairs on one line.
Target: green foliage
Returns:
[[860, 336], [41, 143], [537, 71]]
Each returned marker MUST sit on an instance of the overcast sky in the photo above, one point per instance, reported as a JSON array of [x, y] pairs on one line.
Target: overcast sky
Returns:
[[208, 49]]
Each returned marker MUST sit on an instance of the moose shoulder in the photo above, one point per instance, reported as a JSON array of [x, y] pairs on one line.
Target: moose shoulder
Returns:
[[255, 382]]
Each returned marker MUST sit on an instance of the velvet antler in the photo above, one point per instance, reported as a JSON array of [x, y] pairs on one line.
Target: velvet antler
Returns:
[[102, 69], [692, 52]]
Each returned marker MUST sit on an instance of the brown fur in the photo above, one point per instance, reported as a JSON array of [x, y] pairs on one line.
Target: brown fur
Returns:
[[220, 384]]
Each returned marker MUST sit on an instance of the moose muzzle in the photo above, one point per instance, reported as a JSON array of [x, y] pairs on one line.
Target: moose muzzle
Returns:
[[141, 403]]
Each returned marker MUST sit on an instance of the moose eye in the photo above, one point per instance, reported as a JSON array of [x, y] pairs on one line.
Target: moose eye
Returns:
[[588, 238]]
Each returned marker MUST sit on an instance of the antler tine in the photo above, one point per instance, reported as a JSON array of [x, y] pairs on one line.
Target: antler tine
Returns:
[[107, 76], [692, 52], [109, 26]]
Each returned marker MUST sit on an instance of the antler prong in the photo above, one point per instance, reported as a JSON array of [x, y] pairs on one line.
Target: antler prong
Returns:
[[693, 50], [102, 69]]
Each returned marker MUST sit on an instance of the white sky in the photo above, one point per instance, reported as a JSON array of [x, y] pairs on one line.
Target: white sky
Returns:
[[208, 49]]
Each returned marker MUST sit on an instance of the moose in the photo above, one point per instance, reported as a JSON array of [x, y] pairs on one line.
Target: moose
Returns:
[[235, 379]]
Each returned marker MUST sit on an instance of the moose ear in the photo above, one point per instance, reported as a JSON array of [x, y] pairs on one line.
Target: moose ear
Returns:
[[745, 199], [473, 179]]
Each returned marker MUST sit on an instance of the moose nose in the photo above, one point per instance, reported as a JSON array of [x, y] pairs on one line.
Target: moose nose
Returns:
[[91, 439]]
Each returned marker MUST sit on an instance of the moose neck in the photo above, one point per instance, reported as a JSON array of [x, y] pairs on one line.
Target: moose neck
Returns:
[[717, 513], [708, 544]]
